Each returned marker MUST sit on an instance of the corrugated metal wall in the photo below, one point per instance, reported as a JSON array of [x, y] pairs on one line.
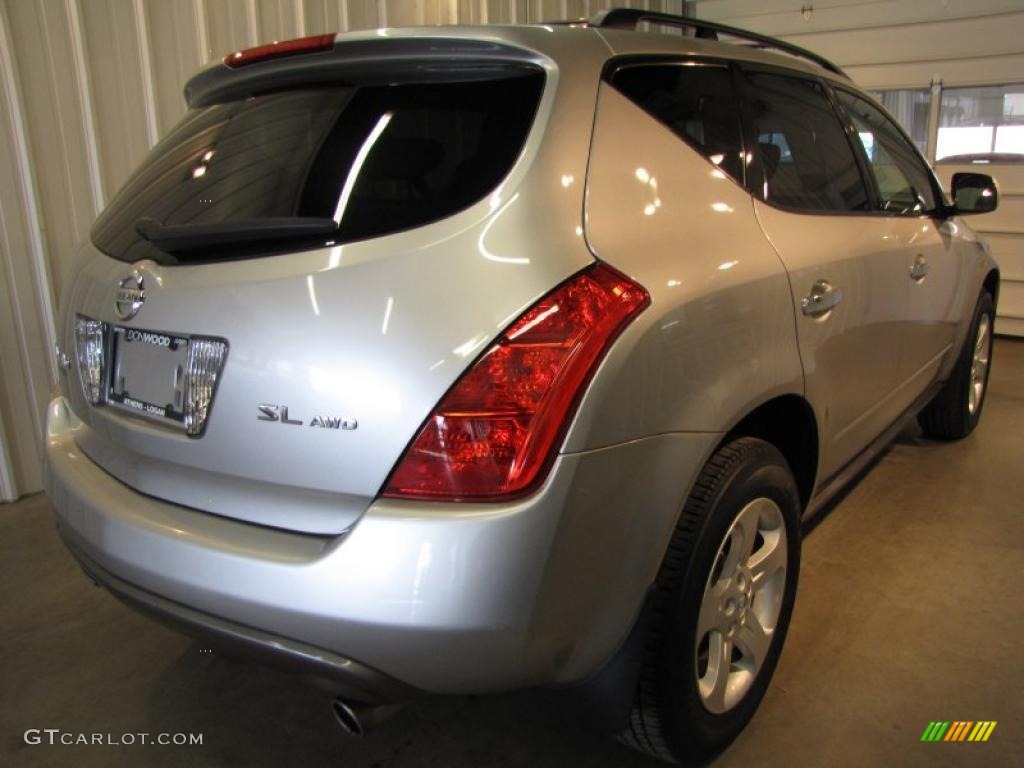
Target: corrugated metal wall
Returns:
[[894, 43], [86, 87]]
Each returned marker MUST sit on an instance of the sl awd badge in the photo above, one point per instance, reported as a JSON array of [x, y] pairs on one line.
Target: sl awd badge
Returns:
[[279, 413]]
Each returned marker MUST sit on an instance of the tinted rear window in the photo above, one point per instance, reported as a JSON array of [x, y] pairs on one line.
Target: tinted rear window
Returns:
[[375, 159], [695, 101]]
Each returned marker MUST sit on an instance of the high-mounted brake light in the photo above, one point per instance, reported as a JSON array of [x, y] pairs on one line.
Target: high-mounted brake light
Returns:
[[494, 434], [295, 47]]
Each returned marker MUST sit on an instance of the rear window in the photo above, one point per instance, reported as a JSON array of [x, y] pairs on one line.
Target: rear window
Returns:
[[301, 168]]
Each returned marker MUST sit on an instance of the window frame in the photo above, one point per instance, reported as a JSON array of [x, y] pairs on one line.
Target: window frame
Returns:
[[941, 203], [753, 170], [629, 61]]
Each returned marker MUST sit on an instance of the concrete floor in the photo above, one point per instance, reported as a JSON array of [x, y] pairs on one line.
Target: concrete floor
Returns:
[[909, 610]]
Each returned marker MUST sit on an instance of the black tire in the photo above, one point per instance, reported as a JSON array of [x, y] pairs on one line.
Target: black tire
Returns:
[[669, 720], [948, 416]]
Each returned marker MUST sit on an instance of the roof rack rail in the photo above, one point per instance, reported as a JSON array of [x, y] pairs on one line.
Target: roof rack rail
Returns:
[[629, 18]]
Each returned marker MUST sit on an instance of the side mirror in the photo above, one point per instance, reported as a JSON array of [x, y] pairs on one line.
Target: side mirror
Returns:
[[974, 193]]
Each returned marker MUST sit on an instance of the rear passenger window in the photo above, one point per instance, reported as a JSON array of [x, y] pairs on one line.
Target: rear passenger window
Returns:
[[807, 162], [695, 101], [904, 187]]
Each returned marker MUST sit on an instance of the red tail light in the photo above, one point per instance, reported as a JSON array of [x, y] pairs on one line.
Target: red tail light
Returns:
[[313, 44], [494, 434]]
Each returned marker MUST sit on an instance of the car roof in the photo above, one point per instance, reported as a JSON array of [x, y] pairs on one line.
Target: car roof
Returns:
[[571, 45], [626, 42]]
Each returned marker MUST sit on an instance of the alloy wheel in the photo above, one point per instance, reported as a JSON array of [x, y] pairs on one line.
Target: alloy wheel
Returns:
[[741, 605], [979, 365]]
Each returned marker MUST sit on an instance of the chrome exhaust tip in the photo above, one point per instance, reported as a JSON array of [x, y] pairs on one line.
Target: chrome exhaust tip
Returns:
[[358, 719]]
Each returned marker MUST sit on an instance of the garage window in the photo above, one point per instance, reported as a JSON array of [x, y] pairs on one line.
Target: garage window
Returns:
[[981, 120]]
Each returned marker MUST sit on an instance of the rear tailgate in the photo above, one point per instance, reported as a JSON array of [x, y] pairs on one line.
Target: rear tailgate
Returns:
[[455, 203]]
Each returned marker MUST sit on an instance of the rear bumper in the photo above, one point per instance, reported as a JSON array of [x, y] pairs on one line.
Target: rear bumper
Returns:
[[414, 598], [342, 676]]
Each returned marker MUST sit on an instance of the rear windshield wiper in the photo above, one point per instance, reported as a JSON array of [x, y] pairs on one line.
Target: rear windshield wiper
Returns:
[[183, 237]]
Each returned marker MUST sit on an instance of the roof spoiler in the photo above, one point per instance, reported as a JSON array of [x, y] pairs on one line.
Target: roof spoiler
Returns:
[[367, 61]]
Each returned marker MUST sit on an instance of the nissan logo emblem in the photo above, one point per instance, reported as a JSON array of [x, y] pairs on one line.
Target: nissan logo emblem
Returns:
[[131, 295]]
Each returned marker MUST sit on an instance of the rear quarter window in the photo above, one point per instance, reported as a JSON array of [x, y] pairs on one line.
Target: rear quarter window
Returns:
[[375, 159], [696, 101]]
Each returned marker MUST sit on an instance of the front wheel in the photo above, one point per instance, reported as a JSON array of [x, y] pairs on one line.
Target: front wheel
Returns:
[[955, 411], [722, 604]]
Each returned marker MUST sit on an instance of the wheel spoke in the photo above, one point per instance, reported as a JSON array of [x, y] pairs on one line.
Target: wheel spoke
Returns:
[[710, 616], [981, 343], [768, 560], [753, 642], [979, 365], [716, 681], [745, 529]]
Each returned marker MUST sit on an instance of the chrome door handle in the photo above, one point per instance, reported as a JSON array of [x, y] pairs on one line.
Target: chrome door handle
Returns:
[[823, 298], [920, 268]]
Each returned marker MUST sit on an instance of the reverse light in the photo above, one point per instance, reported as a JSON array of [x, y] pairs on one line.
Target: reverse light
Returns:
[[314, 44], [494, 434], [90, 341], [205, 360]]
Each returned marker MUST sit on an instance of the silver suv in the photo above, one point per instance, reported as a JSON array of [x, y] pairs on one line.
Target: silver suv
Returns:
[[461, 360]]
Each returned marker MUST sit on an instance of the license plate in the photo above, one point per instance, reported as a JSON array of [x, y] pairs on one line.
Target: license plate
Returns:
[[148, 374]]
